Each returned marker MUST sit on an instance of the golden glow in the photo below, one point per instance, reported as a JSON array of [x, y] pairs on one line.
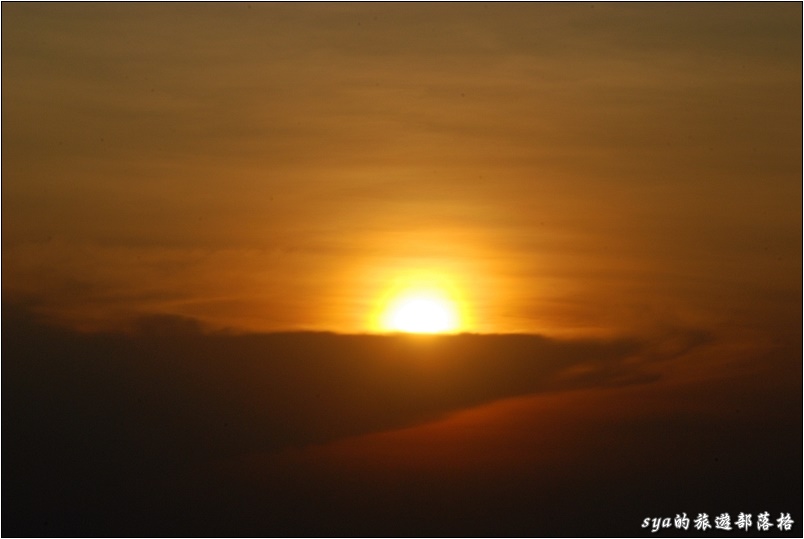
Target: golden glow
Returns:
[[420, 307], [421, 313]]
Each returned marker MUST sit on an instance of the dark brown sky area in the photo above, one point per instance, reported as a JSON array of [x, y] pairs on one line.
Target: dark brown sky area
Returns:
[[208, 208]]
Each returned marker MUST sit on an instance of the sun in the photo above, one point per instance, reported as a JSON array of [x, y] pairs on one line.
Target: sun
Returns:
[[416, 303], [421, 301], [421, 312]]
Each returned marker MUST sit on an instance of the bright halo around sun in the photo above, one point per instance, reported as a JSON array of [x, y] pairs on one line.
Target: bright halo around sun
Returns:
[[417, 306], [421, 313]]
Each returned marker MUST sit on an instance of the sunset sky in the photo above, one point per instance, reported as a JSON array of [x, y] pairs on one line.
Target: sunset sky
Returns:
[[619, 184], [571, 168]]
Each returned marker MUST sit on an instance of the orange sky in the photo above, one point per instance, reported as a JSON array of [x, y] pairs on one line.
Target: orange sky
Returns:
[[570, 168]]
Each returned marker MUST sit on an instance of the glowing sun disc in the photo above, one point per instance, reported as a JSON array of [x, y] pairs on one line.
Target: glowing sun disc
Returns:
[[421, 313]]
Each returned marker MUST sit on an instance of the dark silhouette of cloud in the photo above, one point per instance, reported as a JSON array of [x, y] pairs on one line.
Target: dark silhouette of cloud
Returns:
[[109, 427], [168, 388]]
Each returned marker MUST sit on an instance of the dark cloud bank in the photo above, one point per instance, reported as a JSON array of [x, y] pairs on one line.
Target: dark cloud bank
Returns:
[[117, 434]]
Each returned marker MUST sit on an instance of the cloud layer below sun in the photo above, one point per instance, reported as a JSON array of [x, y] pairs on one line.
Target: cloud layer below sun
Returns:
[[266, 391], [195, 432]]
